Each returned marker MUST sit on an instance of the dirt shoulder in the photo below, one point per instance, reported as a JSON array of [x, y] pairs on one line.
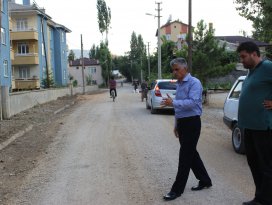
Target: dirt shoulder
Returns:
[[22, 154]]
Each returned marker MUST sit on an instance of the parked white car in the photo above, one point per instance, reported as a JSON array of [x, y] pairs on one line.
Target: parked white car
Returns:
[[159, 90], [230, 117]]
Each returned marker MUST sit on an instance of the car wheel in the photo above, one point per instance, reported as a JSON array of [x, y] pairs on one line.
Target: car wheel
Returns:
[[238, 140], [153, 111]]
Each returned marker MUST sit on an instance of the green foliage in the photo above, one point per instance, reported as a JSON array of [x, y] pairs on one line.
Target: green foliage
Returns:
[[75, 83], [104, 57], [218, 86], [89, 79], [103, 16], [48, 82], [92, 52], [207, 54], [167, 54], [137, 56], [260, 13], [71, 56], [220, 70]]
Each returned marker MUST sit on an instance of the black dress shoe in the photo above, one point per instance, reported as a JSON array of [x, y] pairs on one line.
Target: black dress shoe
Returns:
[[252, 202], [200, 187], [171, 196]]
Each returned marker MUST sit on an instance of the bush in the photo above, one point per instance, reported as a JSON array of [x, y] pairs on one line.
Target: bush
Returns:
[[75, 83]]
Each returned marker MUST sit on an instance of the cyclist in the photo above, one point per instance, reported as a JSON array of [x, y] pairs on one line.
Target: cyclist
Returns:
[[112, 85]]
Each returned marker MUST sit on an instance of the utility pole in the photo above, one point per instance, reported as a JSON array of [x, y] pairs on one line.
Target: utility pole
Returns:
[[159, 40], [148, 61], [190, 37], [82, 63]]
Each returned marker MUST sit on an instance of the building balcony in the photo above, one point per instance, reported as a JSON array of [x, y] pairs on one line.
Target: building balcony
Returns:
[[11, 54], [26, 59], [31, 34], [25, 84]]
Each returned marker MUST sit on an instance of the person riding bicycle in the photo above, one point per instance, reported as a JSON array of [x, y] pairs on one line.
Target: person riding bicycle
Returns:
[[112, 85]]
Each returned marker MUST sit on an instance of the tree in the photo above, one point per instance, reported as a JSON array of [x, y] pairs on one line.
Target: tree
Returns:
[[167, 54], [104, 56], [71, 56], [134, 56], [104, 17], [92, 52], [207, 53], [260, 13]]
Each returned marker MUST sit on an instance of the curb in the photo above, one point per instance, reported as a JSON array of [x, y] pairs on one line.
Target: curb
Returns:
[[14, 137]]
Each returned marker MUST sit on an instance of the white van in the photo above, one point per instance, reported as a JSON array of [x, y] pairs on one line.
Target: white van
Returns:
[[230, 117]]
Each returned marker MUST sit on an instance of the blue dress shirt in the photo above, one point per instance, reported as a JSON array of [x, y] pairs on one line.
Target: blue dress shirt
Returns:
[[188, 100]]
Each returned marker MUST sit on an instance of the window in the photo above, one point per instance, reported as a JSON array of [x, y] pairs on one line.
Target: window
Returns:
[[5, 65], [24, 72], [3, 36], [64, 74], [2, 5], [23, 48], [168, 37], [93, 70], [237, 90], [43, 49], [21, 24], [62, 36]]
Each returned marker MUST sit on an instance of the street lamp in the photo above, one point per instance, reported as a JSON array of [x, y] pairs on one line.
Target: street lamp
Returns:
[[159, 39]]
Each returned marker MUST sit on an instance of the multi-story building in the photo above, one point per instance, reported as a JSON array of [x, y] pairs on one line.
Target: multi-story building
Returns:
[[40, 47], [175, 31], [5, 63]]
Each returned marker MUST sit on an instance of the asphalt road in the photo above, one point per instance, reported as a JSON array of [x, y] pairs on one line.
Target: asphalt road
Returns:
[[117, 153]]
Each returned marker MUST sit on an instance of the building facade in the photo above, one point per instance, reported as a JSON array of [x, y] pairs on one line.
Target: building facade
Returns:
[[39, 45], [92, 72], [175, 31], [5, 51]]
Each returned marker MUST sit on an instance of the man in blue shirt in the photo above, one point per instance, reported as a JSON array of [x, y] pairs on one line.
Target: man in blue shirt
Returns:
[[188, 109], [255, 118]]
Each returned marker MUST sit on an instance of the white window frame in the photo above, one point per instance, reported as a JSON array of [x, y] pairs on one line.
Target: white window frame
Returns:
[[24, 72], [2, 5], [22, 24], [23, 48], [3, 36], [5, 65]]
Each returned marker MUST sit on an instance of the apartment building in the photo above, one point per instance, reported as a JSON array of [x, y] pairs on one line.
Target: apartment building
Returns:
[[5, 62], [175, 31], [39, 45]]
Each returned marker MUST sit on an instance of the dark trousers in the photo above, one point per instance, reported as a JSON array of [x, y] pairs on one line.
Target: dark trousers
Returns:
[[258, 146], [189, 131], [114, 91]]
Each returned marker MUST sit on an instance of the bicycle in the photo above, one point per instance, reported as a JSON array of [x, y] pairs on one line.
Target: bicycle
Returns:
[[113, 95]]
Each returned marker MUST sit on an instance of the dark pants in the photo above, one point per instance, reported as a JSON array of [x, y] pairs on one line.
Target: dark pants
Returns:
[[258, 146], [114, 91], [189, 131]]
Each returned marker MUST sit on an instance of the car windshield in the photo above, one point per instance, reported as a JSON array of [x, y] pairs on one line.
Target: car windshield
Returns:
[[171, 85]]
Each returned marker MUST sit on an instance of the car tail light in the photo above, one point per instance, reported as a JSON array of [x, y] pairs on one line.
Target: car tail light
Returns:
[[157, 91]]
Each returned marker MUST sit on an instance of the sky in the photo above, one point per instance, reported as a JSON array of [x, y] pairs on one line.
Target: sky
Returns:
[[80, 17]]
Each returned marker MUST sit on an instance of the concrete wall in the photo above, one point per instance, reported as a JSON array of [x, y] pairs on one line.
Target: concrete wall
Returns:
[[18, 102]]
